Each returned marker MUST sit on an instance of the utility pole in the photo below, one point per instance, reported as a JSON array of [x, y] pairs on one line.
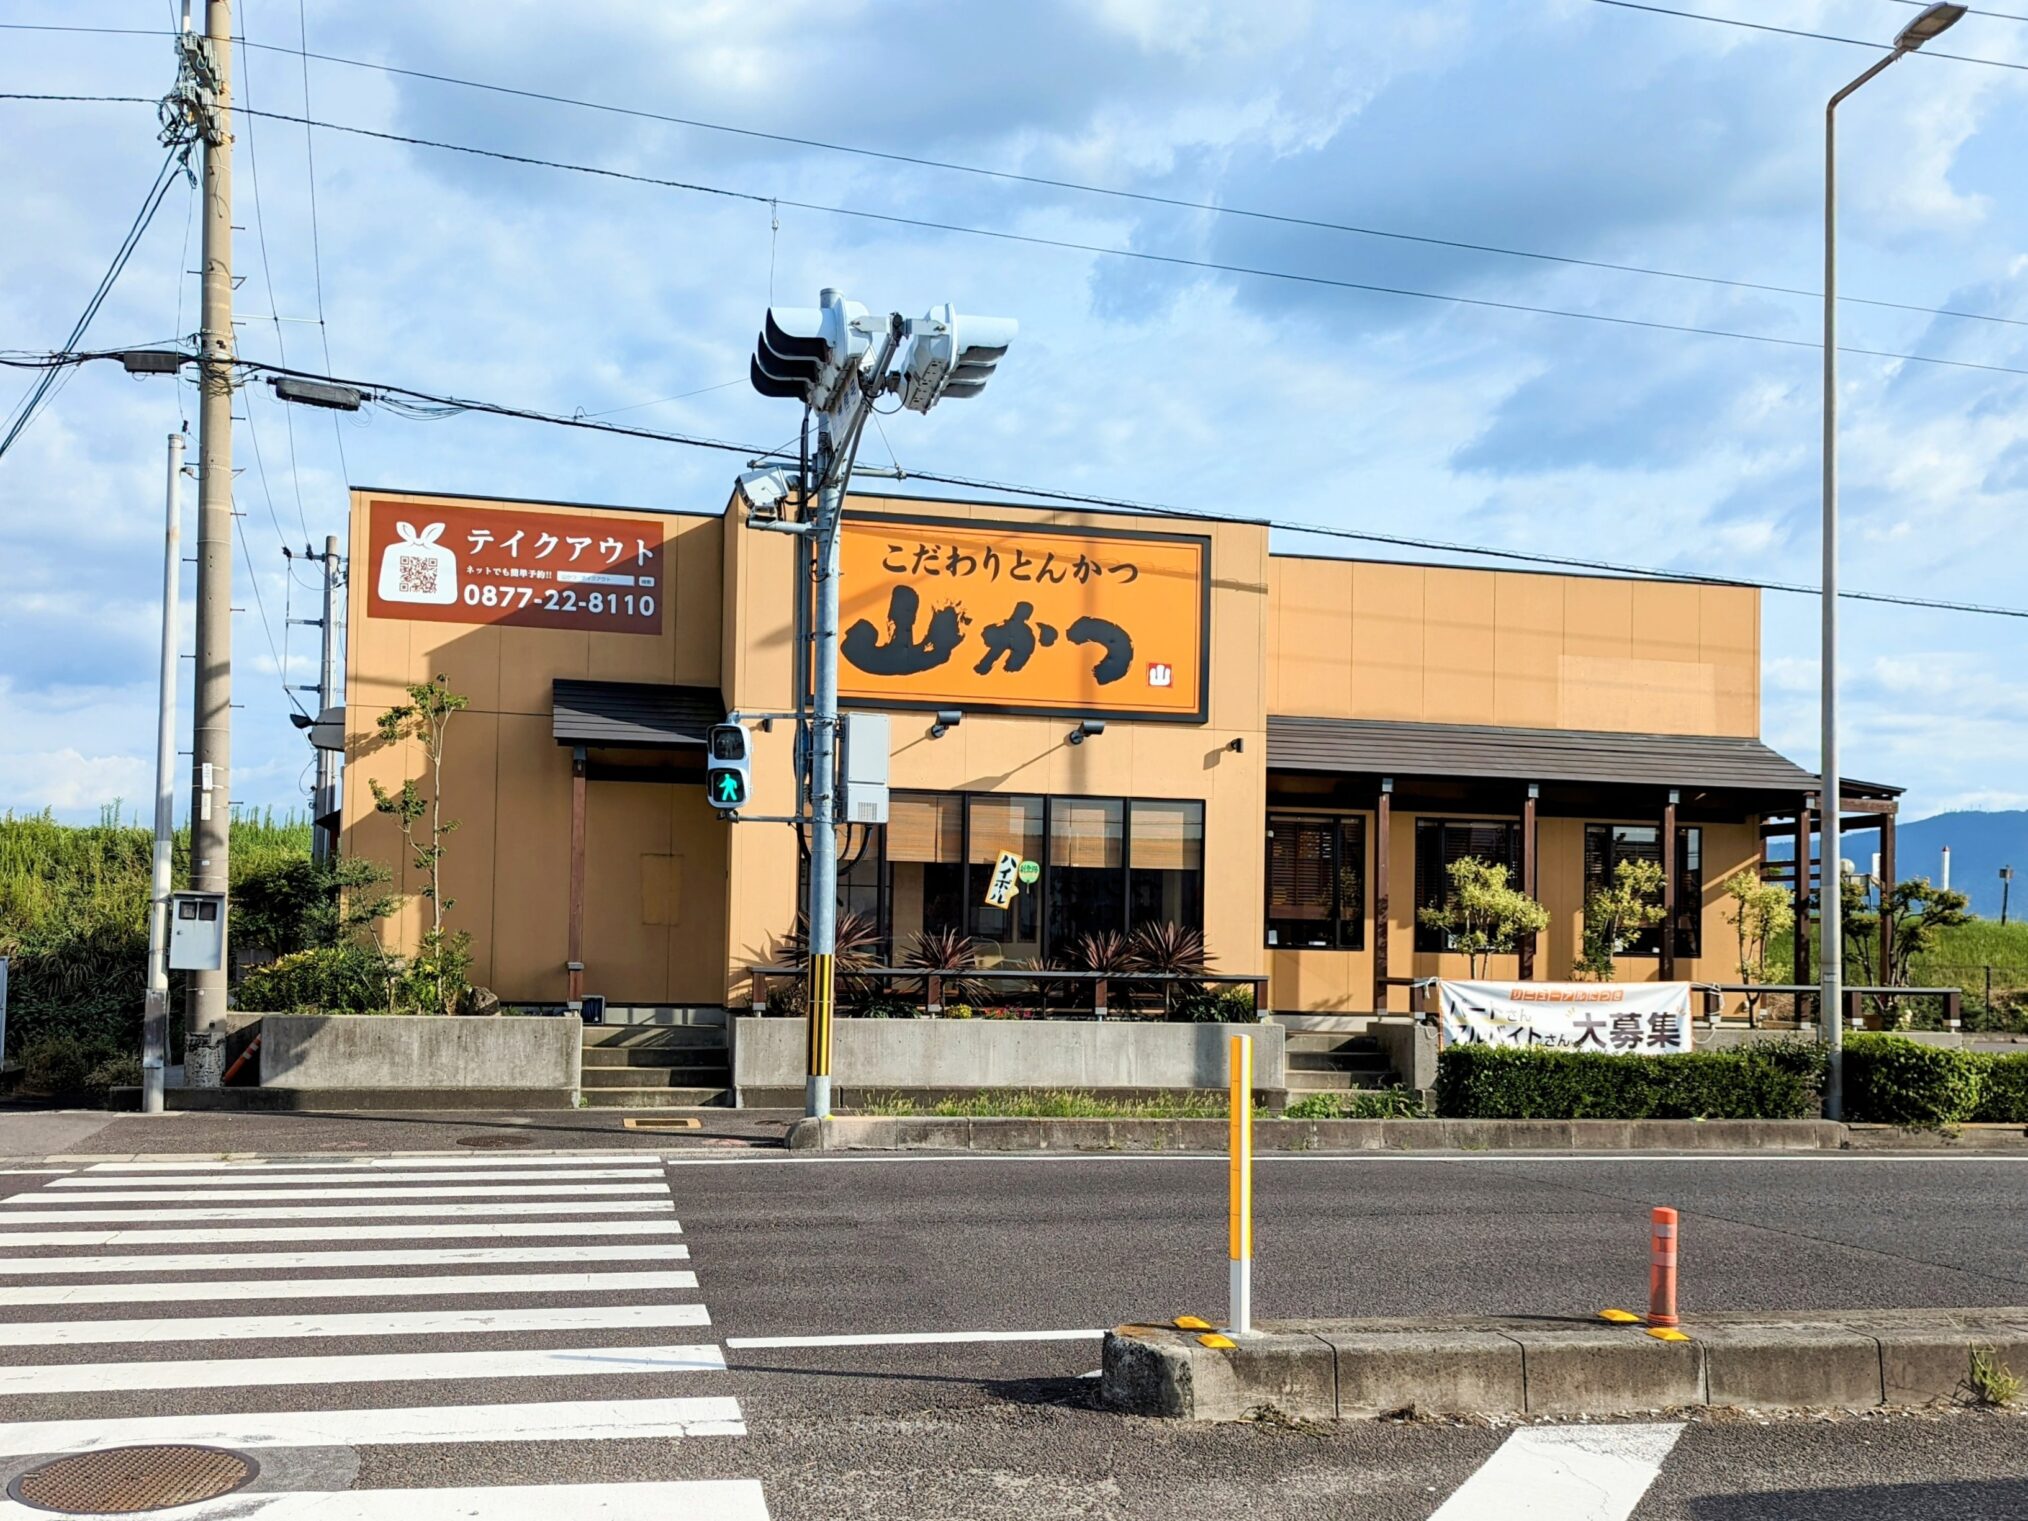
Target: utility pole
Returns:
[[324, 841], [155, 1021], [209, 59]]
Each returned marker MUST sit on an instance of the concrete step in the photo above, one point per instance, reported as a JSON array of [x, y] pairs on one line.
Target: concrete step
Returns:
[[1338, 1061], [1338, 1082], [1343, 1024], [655, 1056], [657, 1098], [1328, 1041], [662, 1016], [653, 1037], [691, 1075]]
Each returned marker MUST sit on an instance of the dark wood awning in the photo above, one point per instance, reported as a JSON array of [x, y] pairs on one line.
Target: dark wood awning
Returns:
[[634, 715], [1380, 747]]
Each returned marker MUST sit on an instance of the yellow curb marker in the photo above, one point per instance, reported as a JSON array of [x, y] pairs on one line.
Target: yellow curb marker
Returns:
[[1192, 1323], [1213, 1339], [1620, 1317], [1666, 1333]]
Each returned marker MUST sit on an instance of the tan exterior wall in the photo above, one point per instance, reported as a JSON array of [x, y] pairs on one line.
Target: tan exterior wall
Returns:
[[1431, 644]]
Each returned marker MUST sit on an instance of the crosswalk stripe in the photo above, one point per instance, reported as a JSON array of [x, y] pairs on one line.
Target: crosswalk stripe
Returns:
[[558, 1185], [559, 1421], [622, 1317], [268, 1178], [423, 1256], [325, 1212], [670, 1500], [1551, 1473], [687, 1499], [360, 1368], [418, 1231], [435, 1286], [420, 1159]]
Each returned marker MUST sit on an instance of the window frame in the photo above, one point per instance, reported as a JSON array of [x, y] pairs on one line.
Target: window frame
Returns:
[[1337, 824], [1431, 942], [1689, 906]]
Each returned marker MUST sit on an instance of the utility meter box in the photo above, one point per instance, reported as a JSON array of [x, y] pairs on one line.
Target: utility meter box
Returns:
[[197, 932], [864, 793]]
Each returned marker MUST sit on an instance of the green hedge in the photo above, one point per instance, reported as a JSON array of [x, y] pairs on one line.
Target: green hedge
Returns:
[[1773, 1082], [1890, 1080], [2003, 1096]]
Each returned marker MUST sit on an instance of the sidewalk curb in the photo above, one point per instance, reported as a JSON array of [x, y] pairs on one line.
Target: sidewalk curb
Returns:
[[1357, 1369], [936, 1133]]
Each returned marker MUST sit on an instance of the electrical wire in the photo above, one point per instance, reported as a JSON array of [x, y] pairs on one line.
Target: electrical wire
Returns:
[[261, 608], [31, 404], [316, 241], [1791, 31], [1177, 261], [1180, 203]]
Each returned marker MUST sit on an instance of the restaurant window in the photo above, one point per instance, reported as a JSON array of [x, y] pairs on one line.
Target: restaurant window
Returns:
[[1084, 871], [1316, 883], [1439, 843], [1014, 824], [925, 866], [1165, 864], [1606, 845]]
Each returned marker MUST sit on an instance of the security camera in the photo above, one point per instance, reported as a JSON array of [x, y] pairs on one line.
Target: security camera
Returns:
[[947, 720], [764, 492], [1087, 729]]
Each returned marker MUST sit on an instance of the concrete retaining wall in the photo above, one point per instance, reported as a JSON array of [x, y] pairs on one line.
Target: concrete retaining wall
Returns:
[[915, 1054], [406, 1051]]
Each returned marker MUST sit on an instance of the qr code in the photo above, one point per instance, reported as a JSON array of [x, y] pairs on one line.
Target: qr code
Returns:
[[418, 576]]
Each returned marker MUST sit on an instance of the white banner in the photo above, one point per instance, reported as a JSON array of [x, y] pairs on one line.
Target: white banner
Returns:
[[1642, 1018]]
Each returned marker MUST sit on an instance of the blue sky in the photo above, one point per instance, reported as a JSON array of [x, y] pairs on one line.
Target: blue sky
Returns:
[[1565, 127]]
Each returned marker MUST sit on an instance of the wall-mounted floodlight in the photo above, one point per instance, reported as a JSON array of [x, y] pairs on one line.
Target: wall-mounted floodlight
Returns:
[[1087, 729], [764, 491], [947, 720]]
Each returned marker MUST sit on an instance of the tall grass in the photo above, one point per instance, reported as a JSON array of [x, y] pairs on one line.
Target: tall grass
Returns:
[[74, 915]]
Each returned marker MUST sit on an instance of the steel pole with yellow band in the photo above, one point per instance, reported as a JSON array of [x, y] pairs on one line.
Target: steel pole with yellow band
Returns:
[[1239, 1187], [821, 1001]]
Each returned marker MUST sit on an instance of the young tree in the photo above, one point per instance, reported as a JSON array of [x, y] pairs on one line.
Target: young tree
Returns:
[[1484, 916], [1615, 914], [1916, 912], [438, 968], [1761, 910]]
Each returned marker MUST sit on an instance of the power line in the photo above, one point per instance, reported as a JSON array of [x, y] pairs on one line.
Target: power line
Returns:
[[1180, 203], [1177, 261], [1791, 31], [316, 242], [1995, 15]]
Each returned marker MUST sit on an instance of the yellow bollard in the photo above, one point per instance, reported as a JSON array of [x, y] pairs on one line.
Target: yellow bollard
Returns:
[[1239, 1188]]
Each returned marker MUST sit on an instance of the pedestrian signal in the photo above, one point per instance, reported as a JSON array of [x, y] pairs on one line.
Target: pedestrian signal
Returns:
[[727, 770]]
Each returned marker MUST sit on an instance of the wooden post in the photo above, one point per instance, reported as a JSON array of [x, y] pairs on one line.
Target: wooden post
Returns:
[[575, 986], [1802, 975], [1530, 867], [1383, 831], [1666, 967], [1886, 888]]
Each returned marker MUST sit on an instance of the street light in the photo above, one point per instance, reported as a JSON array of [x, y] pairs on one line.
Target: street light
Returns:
[[1931, 23]]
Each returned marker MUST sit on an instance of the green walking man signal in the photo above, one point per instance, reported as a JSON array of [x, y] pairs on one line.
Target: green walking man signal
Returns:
[[726, 775]]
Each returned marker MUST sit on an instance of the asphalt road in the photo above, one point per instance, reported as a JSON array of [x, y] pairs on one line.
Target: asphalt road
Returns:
[[795, 1249]]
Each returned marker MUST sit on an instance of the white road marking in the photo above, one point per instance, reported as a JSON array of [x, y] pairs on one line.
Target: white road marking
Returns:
[[63, 1333], [422, 1256], [566, 1184], [593, 1420], [262, 1177], [908, 1338], [680, 1499], [325, 1212], [412, 1159], [358, 1368], [255, 1290], [1726, 1159], [422, 1230], [1564, 1473], [671, 1500]]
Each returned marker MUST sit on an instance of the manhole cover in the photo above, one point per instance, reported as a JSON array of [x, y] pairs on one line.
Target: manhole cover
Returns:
[[496, 1140], [123, 1480]]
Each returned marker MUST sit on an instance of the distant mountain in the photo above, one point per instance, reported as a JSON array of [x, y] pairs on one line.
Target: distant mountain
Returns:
[[1981, 843]]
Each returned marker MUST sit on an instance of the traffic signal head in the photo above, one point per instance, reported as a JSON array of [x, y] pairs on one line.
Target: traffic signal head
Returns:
[[951, 355], [808, 353], [727, 768]]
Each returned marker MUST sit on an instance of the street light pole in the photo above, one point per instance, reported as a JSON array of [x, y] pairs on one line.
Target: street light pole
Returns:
[[1830, 876]]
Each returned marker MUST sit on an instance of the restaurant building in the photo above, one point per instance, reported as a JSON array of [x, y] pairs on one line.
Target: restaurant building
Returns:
[[1169, 721]]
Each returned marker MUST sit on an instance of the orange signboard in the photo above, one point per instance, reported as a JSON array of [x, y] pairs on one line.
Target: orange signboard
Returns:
[[971, 614], [441, 562]]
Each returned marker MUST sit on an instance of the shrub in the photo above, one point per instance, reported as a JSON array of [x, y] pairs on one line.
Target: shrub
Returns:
[[119, 1072], [61, 1066], [2003, 1097], [1358, 1104], [334, 979], [1893, 1081], [1521, 1083]]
